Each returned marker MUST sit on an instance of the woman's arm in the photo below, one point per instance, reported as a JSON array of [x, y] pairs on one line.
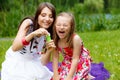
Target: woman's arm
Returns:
[[22, 33], [24, 27], [75, 59]]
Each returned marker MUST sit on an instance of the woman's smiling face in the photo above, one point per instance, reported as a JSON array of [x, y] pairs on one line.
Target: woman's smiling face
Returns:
[[45, 18], [63, 26]]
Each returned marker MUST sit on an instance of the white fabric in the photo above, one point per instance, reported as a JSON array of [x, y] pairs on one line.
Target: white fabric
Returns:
[[26, 66]]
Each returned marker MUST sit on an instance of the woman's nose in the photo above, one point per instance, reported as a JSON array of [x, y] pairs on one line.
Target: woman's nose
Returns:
[[47, 18]]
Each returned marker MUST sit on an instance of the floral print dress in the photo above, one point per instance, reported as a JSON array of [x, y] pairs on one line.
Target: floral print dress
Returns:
[[83, 66]]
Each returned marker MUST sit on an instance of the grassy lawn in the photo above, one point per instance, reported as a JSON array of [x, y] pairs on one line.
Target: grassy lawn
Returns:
[[104, 47], [4, 45]]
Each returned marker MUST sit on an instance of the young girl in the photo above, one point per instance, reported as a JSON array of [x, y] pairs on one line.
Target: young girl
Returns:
[[76, 63], [23, 60]]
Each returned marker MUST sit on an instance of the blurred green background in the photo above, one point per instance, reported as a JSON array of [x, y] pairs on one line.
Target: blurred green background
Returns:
[[97, 23], [91, 15]]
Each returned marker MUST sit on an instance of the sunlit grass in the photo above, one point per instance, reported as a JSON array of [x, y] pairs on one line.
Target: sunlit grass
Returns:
[[4, 45], [105, 47]]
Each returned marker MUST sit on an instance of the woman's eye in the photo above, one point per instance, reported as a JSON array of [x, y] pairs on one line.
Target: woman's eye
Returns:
[[50, 16], [43, 15]]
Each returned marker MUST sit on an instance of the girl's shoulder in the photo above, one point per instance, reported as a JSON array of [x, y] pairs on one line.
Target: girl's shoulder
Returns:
[[77, 39]]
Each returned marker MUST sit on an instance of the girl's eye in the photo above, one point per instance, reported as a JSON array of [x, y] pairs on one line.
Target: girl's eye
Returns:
[[65, 25], [57, 24]]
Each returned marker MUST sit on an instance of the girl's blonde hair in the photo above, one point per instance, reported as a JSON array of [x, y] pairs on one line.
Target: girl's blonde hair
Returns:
[[71, 33]]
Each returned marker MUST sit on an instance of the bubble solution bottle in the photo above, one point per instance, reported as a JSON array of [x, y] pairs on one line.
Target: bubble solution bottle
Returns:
[[48, 38]]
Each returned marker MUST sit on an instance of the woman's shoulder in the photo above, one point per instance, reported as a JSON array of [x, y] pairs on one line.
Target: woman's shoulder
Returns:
[[28, 20]]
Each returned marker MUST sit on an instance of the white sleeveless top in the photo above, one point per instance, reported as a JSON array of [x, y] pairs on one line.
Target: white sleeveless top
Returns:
[[25, 64]]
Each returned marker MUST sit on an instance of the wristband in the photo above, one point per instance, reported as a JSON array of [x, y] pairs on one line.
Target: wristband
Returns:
[[24, 42]]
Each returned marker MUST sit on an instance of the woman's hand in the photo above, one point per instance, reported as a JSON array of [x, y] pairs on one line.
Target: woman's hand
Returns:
[[39, 32]]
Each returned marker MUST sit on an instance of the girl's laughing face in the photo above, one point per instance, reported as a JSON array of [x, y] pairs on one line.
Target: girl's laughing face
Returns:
[[63, 26]]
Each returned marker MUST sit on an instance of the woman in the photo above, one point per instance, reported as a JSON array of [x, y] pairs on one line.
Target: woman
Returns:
[[26, 58]]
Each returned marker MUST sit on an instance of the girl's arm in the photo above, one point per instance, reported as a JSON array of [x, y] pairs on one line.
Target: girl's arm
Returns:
[[24, 27], [50, 46], [55, 59], [45, 58], [77, 42]]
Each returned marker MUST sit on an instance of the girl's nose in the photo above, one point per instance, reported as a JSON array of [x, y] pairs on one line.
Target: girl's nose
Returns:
[[62, 27]]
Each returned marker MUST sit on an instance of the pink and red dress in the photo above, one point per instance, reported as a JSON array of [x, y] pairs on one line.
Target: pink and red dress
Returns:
[[83, 67]]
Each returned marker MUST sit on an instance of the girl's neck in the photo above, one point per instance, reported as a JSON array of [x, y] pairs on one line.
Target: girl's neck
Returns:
[[63, 40], [62, 43]]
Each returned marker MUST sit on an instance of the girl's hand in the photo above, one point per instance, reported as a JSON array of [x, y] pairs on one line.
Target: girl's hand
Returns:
[[50, 46], [39, 32], [56, 77], [68, 78]]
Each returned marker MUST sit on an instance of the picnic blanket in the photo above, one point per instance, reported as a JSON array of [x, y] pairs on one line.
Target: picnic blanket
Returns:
[[97, 70]]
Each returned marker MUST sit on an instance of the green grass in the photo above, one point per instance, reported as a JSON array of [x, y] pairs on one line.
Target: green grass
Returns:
[[4, 45], [104, 47]]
